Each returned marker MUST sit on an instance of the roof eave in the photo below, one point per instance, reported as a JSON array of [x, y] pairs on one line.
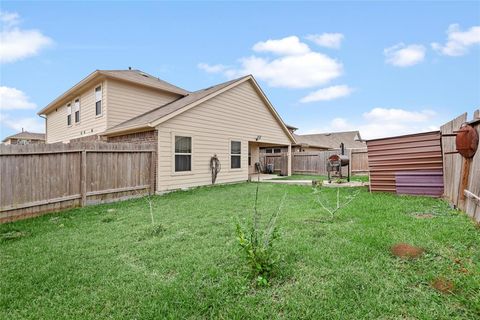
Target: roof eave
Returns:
[[127, 130], [67, 93]]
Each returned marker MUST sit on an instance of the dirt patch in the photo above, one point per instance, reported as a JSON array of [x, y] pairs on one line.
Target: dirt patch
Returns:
[[443, 285], [406, 251]]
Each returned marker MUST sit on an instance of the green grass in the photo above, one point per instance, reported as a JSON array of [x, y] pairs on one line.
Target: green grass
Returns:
[[320, 177], [105, 262]]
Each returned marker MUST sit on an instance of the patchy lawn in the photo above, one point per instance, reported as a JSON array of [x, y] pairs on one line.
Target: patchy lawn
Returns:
[[103, 262], [320, 177]]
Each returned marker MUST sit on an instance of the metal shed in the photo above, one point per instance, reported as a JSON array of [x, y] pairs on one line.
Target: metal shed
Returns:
[[409, 164]]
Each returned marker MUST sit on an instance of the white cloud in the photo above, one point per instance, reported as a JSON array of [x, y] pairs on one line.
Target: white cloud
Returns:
[[31, 124], [14, 99], [458, 42], [296, 67], [298, 71], [326, 94], [286, 46], [398, 115], [329, 40], [17, 44], [215, 68], [339, 124], [401, 55], [384, 122]]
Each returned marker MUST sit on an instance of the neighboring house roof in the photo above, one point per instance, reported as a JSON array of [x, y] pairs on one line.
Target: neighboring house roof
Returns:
[[351, 139], [162, 113], [291, 127], [133, 76], [25, 135]]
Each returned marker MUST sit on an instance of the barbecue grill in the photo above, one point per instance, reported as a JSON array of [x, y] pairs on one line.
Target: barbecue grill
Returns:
[[334, 166]]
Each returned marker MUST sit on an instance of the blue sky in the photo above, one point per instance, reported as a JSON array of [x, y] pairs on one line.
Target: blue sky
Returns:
[[384, 68]]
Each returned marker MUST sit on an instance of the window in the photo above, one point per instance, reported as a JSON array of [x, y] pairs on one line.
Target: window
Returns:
[[76, 108], [235, 154], [268, 150], [277, 150], [183, 154], [69, 114], [98, 100]]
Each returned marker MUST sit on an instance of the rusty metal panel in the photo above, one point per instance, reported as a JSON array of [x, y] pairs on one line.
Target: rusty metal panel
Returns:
[[410, 164]]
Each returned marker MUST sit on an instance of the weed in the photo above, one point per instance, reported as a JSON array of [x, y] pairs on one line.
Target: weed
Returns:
[[257, 244], [12, 235]]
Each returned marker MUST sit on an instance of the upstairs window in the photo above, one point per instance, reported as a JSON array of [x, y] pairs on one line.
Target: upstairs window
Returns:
[[183, 154], [69, 114], [76, 108], [98, 100], [235, 154]]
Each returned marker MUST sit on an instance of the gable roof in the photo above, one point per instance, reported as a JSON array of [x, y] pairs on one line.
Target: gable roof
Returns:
[[351, 139], [133, 76], [25, 135], [143, 78], [162, 113]]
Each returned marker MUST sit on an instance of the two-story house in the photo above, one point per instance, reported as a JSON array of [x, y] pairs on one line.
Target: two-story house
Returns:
[[231, 120]]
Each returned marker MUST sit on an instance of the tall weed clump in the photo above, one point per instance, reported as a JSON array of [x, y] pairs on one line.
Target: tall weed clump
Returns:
[[257, 242]]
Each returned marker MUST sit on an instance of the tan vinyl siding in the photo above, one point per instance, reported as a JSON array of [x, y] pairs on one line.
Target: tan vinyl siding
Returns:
[[238, 114], [57, 129], [127, 100]]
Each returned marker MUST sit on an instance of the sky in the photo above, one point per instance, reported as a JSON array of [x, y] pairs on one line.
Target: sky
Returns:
[[384, 68]]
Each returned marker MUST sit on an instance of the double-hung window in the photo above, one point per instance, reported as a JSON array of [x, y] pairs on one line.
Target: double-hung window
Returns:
[[235, 154], [98, 100], [76, 108], [69, 114], [183, 153]]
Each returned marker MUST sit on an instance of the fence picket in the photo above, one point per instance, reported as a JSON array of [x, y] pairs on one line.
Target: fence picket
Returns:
[[50, 177]]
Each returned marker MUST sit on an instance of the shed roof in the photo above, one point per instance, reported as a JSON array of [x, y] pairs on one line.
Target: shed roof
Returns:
[[25, 135], [351, 139]]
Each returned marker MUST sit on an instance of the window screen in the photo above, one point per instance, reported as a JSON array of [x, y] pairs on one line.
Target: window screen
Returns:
[[183, 153], [235, 154]]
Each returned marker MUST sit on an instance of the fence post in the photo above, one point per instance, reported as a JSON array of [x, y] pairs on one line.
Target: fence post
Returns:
[[83, 187], [152, 172], [350, 157]]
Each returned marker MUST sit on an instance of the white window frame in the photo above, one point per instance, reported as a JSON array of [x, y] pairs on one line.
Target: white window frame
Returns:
[[230, 154], [75, 110], [69, 113], [101, 100], [192, 140]]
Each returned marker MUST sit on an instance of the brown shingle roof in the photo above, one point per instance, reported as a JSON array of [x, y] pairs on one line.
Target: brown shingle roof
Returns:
[[145, 119], [332, 139], [25, 135], [143, 78], [133, 76]]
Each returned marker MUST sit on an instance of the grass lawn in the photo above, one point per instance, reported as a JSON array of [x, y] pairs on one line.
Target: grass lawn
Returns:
[[320, 177], [102, 261]]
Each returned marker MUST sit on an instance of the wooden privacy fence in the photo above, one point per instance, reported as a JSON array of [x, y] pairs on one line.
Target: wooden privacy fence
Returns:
[[461, 176], [46, 177], [316, 162], [279, 161]]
